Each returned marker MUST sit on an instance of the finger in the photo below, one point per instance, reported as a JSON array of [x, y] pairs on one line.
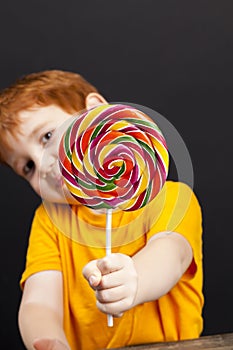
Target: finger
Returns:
[[111, 280], [115, 308], [111, 263], [111, 295], [119, 315], [92, 273]]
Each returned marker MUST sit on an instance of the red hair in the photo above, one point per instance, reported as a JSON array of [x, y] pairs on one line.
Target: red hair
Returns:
[[66, 90]]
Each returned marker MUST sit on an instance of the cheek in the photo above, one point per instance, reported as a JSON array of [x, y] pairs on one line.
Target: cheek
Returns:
[[36, 185]]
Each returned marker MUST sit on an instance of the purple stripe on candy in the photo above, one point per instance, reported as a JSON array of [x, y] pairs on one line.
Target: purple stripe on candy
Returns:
[[161, 165], [162, 172], [109, 112], [68, 177], [78, 148], [134, 176]]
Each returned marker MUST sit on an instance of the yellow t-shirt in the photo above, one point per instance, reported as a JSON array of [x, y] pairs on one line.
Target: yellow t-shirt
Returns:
[[66, 238]]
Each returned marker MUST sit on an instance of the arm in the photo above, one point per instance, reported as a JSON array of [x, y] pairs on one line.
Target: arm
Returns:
[[122, 282], [160, 265], [41, 312]]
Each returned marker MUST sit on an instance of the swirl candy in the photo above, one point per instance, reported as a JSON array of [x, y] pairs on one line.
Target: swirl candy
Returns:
[[113, 156]]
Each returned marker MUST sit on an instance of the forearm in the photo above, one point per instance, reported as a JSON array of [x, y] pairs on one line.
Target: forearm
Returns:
[[121, 282], [160, 265], [39, 321]]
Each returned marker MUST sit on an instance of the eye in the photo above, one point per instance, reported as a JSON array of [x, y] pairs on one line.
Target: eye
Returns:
[[47, 137], [28, 167]]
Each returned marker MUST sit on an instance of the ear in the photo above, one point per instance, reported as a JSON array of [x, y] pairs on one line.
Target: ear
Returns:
[[94, 99]]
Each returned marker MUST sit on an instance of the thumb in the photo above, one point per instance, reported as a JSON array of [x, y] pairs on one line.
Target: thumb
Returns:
[[92, 273], [49, 344], [42, 344]]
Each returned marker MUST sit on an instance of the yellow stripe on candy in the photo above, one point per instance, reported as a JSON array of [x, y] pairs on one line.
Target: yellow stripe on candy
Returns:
[[90, 117], [143, 183], [76, 161], [118, 125], [140, 161], [128, 204], [162, 151], [75, 190], [88, 165]]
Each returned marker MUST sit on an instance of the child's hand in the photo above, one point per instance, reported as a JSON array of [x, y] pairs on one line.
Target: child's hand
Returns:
[[49, 344], [114, 278]]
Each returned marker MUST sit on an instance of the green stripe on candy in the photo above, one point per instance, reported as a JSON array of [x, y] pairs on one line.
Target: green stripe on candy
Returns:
[[86, 185], [102, 205], [124, 138], [143, 122], [97, 129], [90, 186], [147, 196], [148, 150], [67, 143], [107, 187]]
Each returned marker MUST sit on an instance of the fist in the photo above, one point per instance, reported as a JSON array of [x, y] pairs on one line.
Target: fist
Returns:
[[114, 279]]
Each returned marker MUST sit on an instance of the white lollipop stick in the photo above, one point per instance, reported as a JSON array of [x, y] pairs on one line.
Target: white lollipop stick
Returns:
[[108, 248]]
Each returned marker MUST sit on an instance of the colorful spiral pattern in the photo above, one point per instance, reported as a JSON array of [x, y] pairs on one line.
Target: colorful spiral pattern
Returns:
[[113, 156]]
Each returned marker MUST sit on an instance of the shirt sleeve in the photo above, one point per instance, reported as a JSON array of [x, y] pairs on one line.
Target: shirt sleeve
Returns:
[[43, 249], [178, 210]]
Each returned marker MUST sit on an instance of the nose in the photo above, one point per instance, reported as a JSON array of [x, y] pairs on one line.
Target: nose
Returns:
[[49, 156], [46, 164], [43, 162]]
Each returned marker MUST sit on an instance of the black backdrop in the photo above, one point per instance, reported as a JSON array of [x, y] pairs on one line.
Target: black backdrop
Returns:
[[172, 56]]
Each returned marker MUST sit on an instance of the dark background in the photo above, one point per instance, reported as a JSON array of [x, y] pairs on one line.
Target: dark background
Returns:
[[173, 56]]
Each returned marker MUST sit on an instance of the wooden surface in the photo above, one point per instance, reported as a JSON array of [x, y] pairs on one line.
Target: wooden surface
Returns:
[[212, 342]]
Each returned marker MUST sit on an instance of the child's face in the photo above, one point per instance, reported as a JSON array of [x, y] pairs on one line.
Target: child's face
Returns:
[[35, 152]]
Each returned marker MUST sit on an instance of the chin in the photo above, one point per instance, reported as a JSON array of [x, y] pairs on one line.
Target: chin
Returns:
[[60, 200], [54, 198], [59, 195]]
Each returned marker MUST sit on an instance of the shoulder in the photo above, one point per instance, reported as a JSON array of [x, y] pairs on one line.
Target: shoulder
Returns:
[[176, 204], [45, 222], [181, 193], [42, 216], [51, 213], [175, 186], [184, 208]]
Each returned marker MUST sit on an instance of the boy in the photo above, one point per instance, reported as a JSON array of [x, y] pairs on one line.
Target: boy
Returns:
[[152, 284]]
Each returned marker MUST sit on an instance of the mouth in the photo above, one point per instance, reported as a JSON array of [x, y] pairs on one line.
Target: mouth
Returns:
[[59, 182], [56, 181]]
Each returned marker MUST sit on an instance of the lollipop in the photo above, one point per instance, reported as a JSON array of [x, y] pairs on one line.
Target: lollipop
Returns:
[[113, 156]]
